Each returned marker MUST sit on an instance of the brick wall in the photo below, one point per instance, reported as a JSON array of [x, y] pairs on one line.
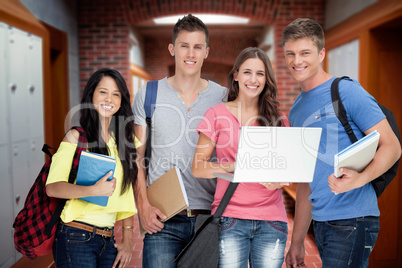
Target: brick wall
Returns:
[[103, 38], [288, 11], [223, 53], [104, 27]]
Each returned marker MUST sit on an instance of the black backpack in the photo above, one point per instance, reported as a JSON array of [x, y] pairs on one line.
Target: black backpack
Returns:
[[381, 182]]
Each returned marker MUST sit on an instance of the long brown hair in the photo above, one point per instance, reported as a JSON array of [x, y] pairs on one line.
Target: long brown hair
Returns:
[[268, 106], [122, 124]]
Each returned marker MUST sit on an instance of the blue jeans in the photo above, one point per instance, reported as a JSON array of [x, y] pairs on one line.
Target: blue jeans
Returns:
[[79, 248], [346, 243], [160, 249], [259, 243]]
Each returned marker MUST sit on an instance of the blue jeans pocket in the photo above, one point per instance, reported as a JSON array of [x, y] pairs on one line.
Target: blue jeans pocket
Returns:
[[280, 226], [341, 225], [371, 238], [78, 236], [372, 228], [227, 222], [79, 248], [348, 242]]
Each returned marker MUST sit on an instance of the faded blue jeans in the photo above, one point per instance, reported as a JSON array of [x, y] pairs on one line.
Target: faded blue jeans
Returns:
[[346, 243], [74, 247], [160, 249], [259, 243]]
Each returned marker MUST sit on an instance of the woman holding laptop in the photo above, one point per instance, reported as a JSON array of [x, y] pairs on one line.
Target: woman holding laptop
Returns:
[[254, 224]]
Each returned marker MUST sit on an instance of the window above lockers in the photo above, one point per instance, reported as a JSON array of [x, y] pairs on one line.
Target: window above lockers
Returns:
[[139, 76], [344, 60]]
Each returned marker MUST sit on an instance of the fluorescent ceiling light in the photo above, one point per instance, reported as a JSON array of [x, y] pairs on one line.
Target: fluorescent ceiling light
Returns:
[[206, 18]]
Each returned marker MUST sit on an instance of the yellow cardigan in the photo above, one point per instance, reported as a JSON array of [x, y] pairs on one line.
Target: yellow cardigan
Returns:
[[119, 206]]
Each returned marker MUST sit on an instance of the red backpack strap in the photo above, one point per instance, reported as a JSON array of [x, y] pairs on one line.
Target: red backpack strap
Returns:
[[81, 145]]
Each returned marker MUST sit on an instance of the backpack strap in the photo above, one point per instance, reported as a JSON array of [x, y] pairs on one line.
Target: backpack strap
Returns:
[[81, 145], [340, 109], [379, 184], [150, 98], [45, 149], [149, 107]]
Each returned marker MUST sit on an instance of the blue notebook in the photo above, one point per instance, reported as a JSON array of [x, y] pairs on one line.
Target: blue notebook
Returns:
[[93, 167]]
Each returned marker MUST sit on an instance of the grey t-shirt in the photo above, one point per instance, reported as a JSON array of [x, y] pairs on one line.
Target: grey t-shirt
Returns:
[[174, 137]]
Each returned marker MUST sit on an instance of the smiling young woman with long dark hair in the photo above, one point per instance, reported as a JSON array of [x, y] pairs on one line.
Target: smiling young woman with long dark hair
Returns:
[[121, 124], [85, 236]]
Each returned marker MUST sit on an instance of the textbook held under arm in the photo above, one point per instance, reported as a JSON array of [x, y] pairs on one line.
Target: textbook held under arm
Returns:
[[357, 155], [93, 167]]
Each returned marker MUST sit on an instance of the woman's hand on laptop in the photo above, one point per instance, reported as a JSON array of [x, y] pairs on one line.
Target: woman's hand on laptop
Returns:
[[229, 167], [274, 185]]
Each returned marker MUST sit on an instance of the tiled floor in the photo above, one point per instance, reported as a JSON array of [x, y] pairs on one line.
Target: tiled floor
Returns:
[[312, 259]]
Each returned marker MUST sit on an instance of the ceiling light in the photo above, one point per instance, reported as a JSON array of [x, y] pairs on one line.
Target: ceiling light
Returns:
[[206, 18]]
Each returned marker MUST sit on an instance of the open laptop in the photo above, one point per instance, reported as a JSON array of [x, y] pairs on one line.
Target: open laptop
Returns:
[[275, 154]]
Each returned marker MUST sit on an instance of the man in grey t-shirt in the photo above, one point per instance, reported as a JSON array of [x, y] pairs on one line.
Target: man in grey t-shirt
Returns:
[[181, 103]]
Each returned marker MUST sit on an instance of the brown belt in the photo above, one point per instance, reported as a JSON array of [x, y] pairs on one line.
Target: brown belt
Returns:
[[194, 212], [105, 232]]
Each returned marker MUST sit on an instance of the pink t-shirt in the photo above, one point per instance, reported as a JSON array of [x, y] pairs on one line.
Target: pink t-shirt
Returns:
[[250, 200]]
